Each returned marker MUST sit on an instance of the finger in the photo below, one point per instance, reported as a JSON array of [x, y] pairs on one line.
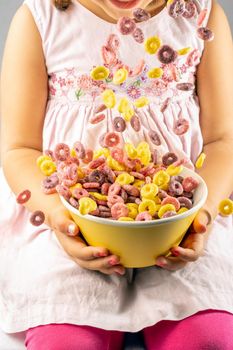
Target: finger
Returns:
[[193, 251], [110, 263], [200, 222], [64, 223], [83, 252], [170, 263]]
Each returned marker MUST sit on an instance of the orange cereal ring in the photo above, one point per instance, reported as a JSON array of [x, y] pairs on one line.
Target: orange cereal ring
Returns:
[[118, 210], [171, 200], [132, 190], [189, 184], [111, 139], [118, 154], [95, 163]]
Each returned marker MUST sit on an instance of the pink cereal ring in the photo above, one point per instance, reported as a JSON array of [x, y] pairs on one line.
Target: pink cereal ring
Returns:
[[79, 193], [91, 185], [138, 35], [171, 200], [126, 25], [137, 175], [118, 154], [64, 191], [37, 218], [135, 123], [201, 17], [181, 126], [193, 58], [111, 139], [168, 214], [118, 210], [23, 197], [61, 152], [190, 9], [69, 182], [74, 202], [131, 190], [105, 188], [97, 118], [71, 171], [113, 42], [79, 149], [88, 156], [189, 184], [114, 189], [95, 163], [112, 199], [49, 153], [175, 188], [143, 216]]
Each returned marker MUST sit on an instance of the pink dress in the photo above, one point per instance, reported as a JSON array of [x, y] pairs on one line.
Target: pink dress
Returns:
[[39, 283]]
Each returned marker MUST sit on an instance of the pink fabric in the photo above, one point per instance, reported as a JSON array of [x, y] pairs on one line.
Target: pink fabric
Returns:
[[72, 337], [206, 330]]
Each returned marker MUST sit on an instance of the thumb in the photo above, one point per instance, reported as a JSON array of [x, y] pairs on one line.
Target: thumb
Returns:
[[201, 221], [63, 222]]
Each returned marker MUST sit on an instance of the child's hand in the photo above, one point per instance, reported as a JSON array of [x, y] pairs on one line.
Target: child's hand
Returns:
[[92, 258], [192, 246]]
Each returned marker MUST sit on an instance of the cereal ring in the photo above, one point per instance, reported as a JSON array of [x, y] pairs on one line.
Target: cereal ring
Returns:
[[23, 197], [79, 193], [120, 76], [112, 199], [97, 176], [131, 190], [162, 194], [176, 8], [61, 152], [124, 195], [225, 207], [205, 34], [50, 182], [105, 214], [175, 188], [111, 177], [79, 149], [137, 175], [138, 35], [154, 136], [113, 42], [152, 44], [171, 200], [182, 210], [168, 214], [161, 178], [135, 123], [114, 189], [88, 156], [37, 218], [169, 158], [95, 163], [118, 210], [104, 208], [143, 216], [200, 161], [185, 86], [189, 184], [190, 9], [117, 154], [140, 15], [181, 126], [98, 196], [164, 208], [111, 139], [185, 202], [74, 203], [147, 205], [133, 210], [99, 73], [64, 191], [124, 179], [105, 187], [100, 108], [174, 170], [187, 194], [201, 17], [109, 98], [119, 124], [86, 205], [166, 54], [49, 153], [48, 167], [149, 191], [126, 25], [97, 118]]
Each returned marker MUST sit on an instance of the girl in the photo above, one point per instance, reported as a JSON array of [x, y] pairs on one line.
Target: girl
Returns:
[[71, 296]]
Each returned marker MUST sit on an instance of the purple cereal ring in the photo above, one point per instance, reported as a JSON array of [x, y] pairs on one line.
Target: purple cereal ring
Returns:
[[111, 177], [171, 200], [138, 35], [97, 176], [61, 152], [111, 139], [162, 194], [118, 210], [126, 25], [131, 190], [23, 197], [176, 8], [169, 158], [175, 188], [140, 15], [100, 202], [95, 212], [105, 214], [105, 188], [97, 118], [181, 126], [154, 136], [185, 86], [205, 34], [74, 203], [64, 191], [143, 216], [185, 202], [135, 123], [124, 195], [187, 194], [168, 214], [132, 199], [79, 193], [79, 149], [37, 218], [178, 178], [95, 163], [190, 9], [166, 54], [189, 184], [114, 189], [104, 208], [119, 124]]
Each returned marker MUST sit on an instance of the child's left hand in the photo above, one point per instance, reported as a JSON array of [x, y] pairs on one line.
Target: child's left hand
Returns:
[[191, 248]]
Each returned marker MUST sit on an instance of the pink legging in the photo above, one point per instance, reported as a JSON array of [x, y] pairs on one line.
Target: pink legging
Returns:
[[206, 330]]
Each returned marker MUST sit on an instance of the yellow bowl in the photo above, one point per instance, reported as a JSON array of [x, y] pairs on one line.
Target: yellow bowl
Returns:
[[139, 243]]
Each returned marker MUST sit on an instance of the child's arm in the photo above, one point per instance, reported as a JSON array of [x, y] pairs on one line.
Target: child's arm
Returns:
[[215, 92], [23, 105]]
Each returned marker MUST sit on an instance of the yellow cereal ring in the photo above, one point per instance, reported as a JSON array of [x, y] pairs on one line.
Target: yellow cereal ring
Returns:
[[125, 218], [149, 191], [184, 51], [48, 167], [114, 165], [225, 207], [143, 145], [99, 196], [152, 44], [164, 187], [124, 179], [127, 114], [133, 210], [73, 152], [100, 73], [182, 210], [101, 152], [109, 98], [130, 150], [174, 170], [86, 205], [155, 73], [123, 104], [41, 159], [80, 172], [147, 205], [139, 183], [145, 156], [120, 76], [75, 186], [200, 160], [161, 178], [141, 102], [157, 200], [165, 208]]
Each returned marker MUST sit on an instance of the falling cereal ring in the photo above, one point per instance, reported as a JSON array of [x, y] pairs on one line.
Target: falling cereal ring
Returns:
[[23, 197], [226, 207], [166, 54], [126, 25], [135, 123], [37, 218], [119, 124], [111, 139], [169, 158], [181, 126]]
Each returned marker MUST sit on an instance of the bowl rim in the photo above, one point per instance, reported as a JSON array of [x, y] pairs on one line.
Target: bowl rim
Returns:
[[163, 221]]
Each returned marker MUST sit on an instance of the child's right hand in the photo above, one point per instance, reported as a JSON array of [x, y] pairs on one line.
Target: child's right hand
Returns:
[[92, 258]]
